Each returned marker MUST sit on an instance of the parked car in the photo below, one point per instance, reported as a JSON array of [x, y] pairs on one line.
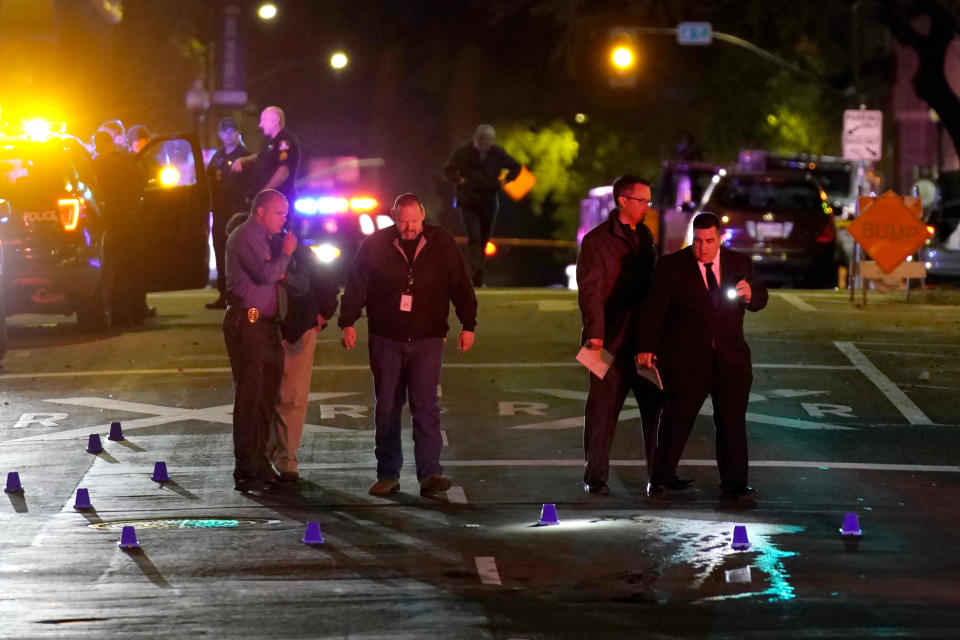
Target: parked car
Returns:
[[941, 254], [53, 234], [782, 219]]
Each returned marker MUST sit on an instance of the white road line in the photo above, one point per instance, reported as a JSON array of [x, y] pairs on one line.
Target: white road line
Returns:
[[443, 436], [354, 367], [402, 538], [455, 495], [796, 301], [786, 464], [894, 394], [487, 570]]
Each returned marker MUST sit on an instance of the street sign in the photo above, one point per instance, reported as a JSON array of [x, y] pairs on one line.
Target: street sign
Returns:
[[889, 228], [694, 33], [862, 134]]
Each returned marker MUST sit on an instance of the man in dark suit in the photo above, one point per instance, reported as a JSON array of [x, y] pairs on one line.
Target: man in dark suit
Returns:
[[614, 269], [692, 329]]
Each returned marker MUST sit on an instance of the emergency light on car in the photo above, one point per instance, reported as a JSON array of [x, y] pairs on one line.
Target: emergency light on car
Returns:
[[69, 210]]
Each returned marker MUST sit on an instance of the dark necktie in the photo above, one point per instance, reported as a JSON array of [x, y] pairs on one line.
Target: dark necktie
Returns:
[[712, 285]]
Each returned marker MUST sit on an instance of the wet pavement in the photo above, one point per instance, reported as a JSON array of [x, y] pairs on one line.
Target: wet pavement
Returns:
[[854, 410]]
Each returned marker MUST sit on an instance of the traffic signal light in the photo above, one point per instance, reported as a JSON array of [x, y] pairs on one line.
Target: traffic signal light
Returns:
[[622, 57]]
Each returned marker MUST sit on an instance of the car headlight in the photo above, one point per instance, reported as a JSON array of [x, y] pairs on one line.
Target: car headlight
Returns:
[[366, 224], [326, 252]]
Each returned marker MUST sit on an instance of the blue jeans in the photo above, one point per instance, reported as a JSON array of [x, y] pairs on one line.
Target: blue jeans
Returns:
[[400, 368]]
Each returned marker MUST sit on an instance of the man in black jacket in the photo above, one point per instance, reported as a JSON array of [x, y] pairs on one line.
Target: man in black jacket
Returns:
[[614, 269], [307, 314], [475, 168], [692, 327], [406, 276]]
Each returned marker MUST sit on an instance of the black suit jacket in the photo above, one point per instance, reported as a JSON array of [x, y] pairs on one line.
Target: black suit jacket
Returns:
[[613, 276], [680, 324]]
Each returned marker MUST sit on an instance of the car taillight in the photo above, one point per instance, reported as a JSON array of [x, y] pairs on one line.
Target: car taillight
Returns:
[[828, 234], [69, 210]]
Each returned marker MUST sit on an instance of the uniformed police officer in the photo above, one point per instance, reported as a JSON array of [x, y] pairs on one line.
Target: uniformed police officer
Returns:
[[228, 190], [251, 333], [277, 163]]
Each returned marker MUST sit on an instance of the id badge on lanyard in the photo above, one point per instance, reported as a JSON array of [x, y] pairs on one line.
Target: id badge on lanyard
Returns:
[[406, 298]]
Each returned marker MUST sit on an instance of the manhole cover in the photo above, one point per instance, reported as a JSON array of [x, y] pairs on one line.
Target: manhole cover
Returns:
[[183, 523]]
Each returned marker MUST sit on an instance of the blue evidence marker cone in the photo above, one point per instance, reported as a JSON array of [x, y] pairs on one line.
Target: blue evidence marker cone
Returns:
[[13, 483], [851, 526], [740, 541], [548, 514], [116, 432], [128, 538], [93, 444], [83, 499], [313, 534], [160, 472]]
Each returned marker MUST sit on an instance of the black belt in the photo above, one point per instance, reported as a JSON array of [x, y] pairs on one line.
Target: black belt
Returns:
[[252, 314]]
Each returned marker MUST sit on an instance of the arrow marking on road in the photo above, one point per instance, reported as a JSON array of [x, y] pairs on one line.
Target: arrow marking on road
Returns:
[[165, 415]]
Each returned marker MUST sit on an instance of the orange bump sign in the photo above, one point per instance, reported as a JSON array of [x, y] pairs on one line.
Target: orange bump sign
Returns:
[[889, 229]]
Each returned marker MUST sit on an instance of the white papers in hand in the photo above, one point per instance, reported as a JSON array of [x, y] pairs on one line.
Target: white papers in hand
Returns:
[[651, 375], [598, 361]]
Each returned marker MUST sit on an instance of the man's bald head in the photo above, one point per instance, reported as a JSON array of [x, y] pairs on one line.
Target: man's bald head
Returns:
[[272, 121]]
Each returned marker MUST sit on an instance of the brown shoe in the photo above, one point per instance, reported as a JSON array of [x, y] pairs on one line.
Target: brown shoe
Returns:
[[384, 487], [434, 484]]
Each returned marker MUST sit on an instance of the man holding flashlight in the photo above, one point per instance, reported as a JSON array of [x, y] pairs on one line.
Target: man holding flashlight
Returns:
[[691, 328]]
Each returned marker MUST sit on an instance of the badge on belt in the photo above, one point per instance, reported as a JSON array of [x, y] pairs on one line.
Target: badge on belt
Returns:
[[253, 314]]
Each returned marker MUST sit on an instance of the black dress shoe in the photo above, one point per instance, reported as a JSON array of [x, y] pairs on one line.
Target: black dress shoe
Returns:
[[598, 489], [677, 483], [742, 493], [655, 490], [289, 478], [219, 303], [246, 485]]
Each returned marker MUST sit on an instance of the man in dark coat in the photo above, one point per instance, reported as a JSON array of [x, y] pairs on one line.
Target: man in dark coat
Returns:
[[308, 312], [613, 274], [475, 168], [692, 328]]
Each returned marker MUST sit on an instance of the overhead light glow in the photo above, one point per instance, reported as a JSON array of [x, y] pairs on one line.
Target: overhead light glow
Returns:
[[267, 11], [339, 60], [622, 58]]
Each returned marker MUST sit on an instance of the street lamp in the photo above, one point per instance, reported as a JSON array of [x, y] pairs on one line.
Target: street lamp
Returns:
[[622, 57], [339, 60], [267, 11]]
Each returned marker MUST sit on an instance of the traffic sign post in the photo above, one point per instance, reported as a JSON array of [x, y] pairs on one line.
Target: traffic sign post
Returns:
[[890, 228], [862, 134]]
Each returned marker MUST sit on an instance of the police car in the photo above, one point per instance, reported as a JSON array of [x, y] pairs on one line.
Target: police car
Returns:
[[53, 234], [337, 206]]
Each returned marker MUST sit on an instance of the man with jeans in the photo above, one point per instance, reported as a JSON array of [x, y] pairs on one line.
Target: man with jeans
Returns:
[[406, 276]]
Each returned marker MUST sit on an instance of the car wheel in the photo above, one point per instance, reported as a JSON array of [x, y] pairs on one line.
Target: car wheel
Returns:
[[96, 312]]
